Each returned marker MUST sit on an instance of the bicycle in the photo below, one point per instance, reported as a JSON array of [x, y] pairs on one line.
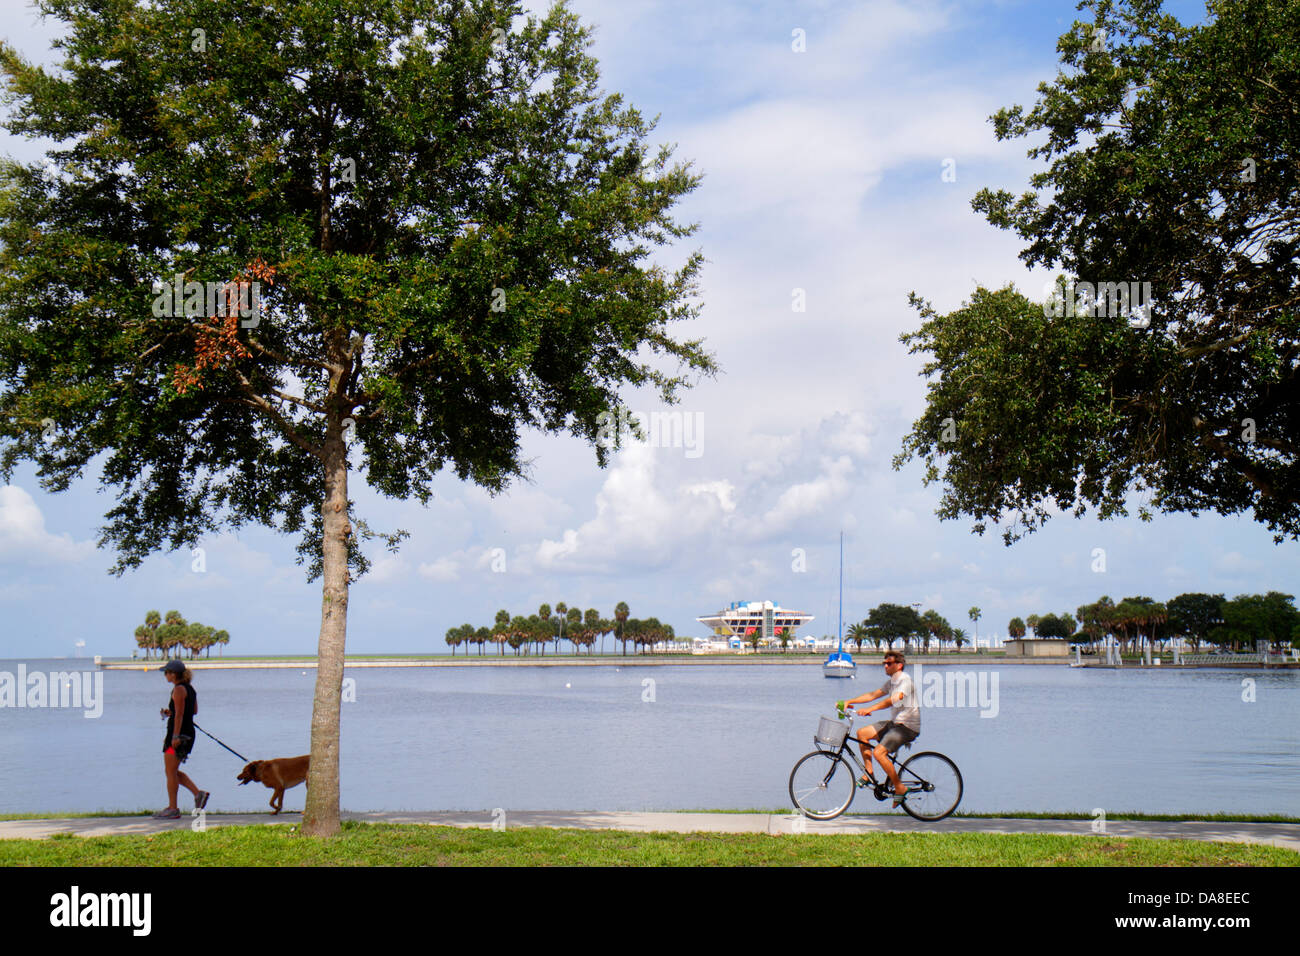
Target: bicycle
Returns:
[[822, 783]]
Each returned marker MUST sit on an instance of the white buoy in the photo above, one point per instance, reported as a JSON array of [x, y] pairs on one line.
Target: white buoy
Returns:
[[568, 685]]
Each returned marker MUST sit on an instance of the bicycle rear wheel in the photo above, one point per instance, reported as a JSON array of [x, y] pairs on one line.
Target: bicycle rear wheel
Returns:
[[933, 785], [822, 784]]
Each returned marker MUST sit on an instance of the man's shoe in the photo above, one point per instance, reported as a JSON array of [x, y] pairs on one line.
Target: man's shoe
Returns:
[[171, 813], [201, 800]]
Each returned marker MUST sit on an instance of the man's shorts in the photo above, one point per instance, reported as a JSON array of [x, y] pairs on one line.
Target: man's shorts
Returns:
[[893, 735]]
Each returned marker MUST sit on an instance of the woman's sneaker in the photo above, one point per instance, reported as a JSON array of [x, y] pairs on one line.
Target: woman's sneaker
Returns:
[[171, 813], [201, 800]]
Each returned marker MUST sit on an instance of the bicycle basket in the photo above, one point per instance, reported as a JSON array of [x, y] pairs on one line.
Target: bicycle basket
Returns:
[[831, 731]]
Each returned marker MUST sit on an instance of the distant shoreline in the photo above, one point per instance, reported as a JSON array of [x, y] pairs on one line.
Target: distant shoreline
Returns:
[[741, 660], [868, 661]]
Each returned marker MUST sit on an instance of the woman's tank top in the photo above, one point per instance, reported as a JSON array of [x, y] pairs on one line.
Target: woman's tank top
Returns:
[[187, 718]]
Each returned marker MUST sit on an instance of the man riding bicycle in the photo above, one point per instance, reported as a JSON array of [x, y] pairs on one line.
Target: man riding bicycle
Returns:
[[903, 727]]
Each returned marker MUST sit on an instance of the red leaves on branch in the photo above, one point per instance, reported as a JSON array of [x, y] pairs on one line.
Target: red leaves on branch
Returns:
[[216, 338]]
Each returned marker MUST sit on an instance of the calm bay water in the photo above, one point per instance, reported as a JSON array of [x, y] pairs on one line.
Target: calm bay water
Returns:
[[584, 738]]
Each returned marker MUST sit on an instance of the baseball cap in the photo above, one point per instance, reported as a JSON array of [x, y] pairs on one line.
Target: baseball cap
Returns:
[[173, 667]]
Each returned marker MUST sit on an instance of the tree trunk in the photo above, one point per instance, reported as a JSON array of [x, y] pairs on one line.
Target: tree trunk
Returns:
[[320, 815]]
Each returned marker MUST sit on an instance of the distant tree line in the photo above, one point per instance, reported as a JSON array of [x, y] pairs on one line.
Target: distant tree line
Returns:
[[888, 623], [1137, 621], [533, 633], [162, 634]]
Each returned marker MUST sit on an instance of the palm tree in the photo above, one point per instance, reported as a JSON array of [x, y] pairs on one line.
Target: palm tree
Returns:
[[146, 636], [858, 633], [453, 638], [1032, 622], [958, 638], [653, 634], [575, 622], [1146, 617], [464, 635], [544, 614], [944, 633], [1016, 627], [1095, 619], [620, 618], [935, 626], [592, 620], [515, 634], [501, 624], [873, 634], [1123, 617], [561, 611], [975, 615]]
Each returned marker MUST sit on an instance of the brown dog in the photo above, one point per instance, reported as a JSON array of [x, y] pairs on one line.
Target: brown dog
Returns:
[[279, 775]]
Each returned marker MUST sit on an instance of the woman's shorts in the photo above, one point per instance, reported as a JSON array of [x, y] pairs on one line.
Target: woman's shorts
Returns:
[[183, 751]]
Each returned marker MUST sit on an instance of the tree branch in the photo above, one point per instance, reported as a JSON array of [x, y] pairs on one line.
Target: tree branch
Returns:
[[259, 401]]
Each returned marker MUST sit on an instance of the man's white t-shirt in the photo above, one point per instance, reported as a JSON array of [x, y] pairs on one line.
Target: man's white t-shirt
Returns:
[[906, 711]]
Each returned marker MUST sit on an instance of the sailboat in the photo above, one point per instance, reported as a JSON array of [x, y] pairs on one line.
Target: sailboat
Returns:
[[840, 662]]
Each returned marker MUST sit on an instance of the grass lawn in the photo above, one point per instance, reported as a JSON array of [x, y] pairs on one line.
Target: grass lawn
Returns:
[[368, 844]]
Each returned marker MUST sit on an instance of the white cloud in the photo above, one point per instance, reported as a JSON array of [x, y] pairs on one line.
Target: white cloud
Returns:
[[23, 538], [724, 491], [809, 498], [388, 570], [443, 569], [639, 522]]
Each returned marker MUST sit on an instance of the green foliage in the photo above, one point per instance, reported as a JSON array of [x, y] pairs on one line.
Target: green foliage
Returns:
[[894, 621], [174, 631], [382, 188], [1195, 615], [389, 844], [1147, 137], [1264, 617], [1054, 626]]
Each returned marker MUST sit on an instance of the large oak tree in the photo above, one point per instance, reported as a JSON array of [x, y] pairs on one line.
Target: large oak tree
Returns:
[[1171, 153], [449, 226]]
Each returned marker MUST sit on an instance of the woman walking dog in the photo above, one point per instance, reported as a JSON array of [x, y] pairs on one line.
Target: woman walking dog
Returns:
[[179, 739]]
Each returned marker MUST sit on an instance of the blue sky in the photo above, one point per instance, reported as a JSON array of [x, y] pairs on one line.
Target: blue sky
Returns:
[[822, 172]]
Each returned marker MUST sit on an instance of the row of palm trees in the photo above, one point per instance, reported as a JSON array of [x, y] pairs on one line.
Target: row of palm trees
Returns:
[[164, 634], [526, 635], [1195, 616]]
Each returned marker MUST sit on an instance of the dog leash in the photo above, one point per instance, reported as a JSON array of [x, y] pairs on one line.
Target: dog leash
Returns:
[[235, 752]]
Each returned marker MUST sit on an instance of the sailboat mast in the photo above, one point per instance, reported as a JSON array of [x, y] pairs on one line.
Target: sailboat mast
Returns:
[[841, 592]]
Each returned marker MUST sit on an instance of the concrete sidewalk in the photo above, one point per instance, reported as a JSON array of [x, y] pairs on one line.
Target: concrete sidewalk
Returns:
[[1285, 835]]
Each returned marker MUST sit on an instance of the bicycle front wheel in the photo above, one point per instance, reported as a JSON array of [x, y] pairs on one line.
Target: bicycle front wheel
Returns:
[[822, 784], [933, 786]]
